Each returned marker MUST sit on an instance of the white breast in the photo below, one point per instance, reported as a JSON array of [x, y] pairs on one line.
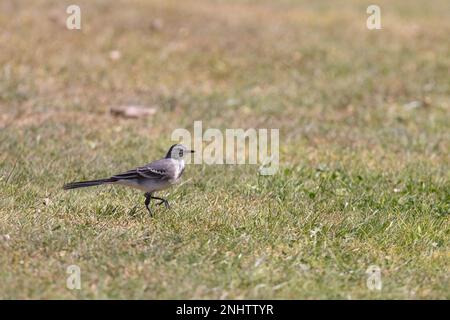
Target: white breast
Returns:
[[179, 167]]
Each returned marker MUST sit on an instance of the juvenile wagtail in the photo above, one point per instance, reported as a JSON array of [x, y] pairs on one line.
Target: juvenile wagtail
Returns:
[[155, 176]]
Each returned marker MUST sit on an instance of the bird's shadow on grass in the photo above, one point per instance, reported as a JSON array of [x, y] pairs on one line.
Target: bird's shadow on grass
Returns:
[[116, 211], [136, 212], [110, 210], [107, 210]]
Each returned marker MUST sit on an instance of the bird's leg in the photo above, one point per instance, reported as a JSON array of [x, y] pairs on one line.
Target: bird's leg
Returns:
[[148, 197], [166, 203]]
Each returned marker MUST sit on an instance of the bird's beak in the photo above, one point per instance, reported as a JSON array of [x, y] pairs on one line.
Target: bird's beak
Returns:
[[191, 151]]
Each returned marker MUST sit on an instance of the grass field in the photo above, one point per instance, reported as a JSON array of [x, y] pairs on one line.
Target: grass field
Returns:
[[364, 119]]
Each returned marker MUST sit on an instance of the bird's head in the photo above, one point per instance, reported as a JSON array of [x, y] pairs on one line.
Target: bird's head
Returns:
[[178, 151]]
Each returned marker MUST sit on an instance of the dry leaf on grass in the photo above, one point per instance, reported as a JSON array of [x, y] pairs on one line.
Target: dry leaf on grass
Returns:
[[133, 111]]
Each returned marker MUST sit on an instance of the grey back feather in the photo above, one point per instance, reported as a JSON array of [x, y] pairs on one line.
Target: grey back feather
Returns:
[[163, 169]]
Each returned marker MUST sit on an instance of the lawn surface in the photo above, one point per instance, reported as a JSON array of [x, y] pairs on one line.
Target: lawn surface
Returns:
[[364, 174]]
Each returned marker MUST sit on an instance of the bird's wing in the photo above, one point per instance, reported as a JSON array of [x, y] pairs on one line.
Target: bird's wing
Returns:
[[161, 169]]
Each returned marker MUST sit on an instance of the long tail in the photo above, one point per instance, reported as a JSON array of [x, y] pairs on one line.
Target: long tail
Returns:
[[83, 184]]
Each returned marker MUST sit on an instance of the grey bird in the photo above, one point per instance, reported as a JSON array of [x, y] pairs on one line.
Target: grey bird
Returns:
[[150, 178]]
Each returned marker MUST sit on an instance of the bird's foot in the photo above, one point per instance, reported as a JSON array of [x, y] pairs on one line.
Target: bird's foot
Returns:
[[162, 201], [148, 197], [165, 202], [149, 211]]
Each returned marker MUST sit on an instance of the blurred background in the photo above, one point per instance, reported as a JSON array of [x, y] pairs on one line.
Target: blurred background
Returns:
[[312, 69]]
